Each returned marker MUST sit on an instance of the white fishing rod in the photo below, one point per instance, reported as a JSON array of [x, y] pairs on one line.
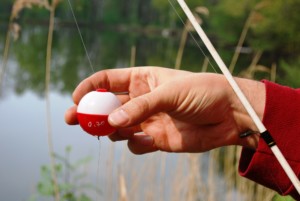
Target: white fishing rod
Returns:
[[262, 129]]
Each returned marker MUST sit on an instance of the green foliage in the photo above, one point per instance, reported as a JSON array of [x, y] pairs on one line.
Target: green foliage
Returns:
[[5, 10], [282, 198], [33, 10], [31, 61], [131, 12], [71, 179], [291, 73], [278, 26], [274, 31]]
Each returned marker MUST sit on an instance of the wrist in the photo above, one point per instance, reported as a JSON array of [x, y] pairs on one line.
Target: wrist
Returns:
[[256, 94]]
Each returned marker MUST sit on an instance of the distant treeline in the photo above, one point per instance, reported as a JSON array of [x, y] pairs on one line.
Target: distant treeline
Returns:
[[273, 26]]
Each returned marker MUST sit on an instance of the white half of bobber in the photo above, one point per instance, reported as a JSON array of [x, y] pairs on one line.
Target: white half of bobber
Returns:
[[98, 102], [93, 111]]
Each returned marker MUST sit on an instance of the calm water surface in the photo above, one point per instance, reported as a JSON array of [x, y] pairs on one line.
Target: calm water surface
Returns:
[[23, 130]]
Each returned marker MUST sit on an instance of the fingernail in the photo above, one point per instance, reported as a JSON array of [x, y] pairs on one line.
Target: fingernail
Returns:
[[145, 140], [118, 118]]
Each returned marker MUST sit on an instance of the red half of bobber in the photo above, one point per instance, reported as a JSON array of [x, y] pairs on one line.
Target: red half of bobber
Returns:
[[96, 125]]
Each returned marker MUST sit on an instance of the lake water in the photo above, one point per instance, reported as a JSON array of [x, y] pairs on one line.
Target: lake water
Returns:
[[23, 128]]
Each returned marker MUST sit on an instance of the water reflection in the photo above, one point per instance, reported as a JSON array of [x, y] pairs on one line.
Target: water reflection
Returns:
[[23, 147]]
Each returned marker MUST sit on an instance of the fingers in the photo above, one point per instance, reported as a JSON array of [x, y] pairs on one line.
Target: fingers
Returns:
[[147, 97], [70, 116], [120, 80], [124, 133], [115, 80], [141, 108], [141, 143], [138, 142]]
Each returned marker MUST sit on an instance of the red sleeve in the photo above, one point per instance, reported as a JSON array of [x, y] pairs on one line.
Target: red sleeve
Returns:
[[282, 119]]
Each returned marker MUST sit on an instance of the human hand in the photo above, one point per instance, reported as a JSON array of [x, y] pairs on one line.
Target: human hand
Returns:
[[175, 111]]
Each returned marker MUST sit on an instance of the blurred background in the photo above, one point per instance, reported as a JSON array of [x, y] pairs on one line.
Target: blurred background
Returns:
[[42, 59]]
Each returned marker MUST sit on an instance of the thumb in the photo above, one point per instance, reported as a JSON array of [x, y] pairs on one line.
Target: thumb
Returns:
[[140, 108]]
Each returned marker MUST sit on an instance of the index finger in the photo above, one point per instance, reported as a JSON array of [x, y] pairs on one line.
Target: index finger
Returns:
[[114, 80]]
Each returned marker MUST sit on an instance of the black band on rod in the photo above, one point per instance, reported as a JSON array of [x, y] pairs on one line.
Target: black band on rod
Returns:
[[268, 138]]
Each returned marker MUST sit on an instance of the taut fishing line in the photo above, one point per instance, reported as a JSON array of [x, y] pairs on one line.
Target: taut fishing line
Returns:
[[98, 170], [80, 35], [93, 71]]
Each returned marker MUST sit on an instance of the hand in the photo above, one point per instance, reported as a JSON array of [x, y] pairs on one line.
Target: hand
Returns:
[[175, 111]]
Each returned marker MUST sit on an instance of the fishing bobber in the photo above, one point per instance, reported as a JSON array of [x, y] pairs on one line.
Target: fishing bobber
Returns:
[[93, 111]]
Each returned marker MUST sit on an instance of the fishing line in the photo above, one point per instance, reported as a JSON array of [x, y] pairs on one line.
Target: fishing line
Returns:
[[93, 71], [98, 170], [264, 133], [81, 38], [192, 36]]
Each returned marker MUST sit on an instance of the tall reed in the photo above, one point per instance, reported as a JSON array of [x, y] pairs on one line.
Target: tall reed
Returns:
[[133, 56], [5, 54], [123, 188], [14, 28], [47, 96], [187, 181], [227, 158], [18, 6], [251, 18], [188, 28], [241, 42]]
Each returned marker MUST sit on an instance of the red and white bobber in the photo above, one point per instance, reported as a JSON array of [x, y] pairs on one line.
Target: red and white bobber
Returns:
[[93, 110]]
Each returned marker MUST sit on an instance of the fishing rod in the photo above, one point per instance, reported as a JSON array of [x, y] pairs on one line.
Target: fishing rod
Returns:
[[264, 133]]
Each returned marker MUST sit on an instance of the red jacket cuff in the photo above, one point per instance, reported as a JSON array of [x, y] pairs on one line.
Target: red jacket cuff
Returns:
[[281, 117]]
